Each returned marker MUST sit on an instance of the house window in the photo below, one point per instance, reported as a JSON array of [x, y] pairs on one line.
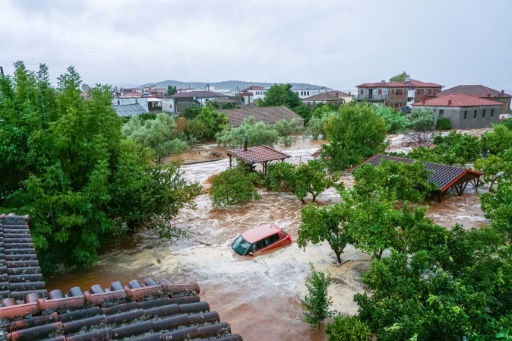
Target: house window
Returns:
[[465, 114], [362, 91], [483, 113], [398, 91], [118, 102], [441, 112], [492, 112], [418, 91], [474, 114], [380, 91]]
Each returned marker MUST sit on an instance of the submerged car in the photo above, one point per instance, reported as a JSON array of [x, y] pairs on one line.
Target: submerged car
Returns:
[[260, 239]]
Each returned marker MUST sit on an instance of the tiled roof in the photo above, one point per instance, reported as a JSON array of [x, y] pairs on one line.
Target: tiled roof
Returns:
[[146, 312], [457, 100], [149, 311], [333, 95], [253, 87], [197, 94], [412, 83], [257, 154], [20, 273], [419, 84], [127, 110], [474, 90], [269, 115], [442, 175]]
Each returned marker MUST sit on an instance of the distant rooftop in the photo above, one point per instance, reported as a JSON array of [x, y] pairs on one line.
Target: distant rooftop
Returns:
[[474, 90], [457, 100], [128, 110]]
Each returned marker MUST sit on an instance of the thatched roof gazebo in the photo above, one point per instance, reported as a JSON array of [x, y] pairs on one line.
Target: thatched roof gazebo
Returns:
[[260, 154]]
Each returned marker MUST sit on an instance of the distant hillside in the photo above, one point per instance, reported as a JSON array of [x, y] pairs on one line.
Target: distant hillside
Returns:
[[231, 85]]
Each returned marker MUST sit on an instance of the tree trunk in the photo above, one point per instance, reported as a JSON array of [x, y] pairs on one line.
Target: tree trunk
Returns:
[[338, 256]]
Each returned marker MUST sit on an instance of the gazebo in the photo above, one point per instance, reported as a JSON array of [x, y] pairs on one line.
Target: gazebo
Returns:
[[260, 154], [444, 176]]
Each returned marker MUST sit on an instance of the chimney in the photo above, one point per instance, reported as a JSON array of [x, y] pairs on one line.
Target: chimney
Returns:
[[449, 102], [2, 71], [246, 139], [337, 95], [423, 97], [349, 93]]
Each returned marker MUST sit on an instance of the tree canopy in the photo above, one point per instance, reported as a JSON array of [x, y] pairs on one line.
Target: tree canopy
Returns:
[[280, 94], [401, 77], [66, 164]]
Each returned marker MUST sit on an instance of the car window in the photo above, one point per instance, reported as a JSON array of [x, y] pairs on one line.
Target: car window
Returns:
[[260, 244], [271, 239], [240, 245]]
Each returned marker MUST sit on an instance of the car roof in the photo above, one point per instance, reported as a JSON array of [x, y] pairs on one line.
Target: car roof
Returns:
[[260, 232]]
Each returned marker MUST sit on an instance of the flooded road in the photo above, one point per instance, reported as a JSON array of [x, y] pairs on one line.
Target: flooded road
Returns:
[[259, 296]]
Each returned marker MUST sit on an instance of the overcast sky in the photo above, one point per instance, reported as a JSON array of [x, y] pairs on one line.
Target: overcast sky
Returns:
[[338, 44]]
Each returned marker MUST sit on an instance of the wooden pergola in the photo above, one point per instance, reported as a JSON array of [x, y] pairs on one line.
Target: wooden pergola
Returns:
[[445, 177], [253, 155]]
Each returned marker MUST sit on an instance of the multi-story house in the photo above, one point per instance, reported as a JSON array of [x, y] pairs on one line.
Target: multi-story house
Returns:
[[396, 94]]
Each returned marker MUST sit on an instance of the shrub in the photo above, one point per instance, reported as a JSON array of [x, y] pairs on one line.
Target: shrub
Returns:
[[347, 328], [316, 303], [233, 187], [444, 124], [280, 177]]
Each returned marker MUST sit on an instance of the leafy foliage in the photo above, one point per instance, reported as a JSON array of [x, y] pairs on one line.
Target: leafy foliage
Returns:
[[395, 121], [280, 177], [443, 123], [347, 328], [497, 141], [324, 223], [171, 90], [233, 187], [160, 135], [422, 119], [316, 303], [207, 124], [286, 129], [405, 182], [311, 178], [66, 164], [354, 133], [258, 133], [280, 94], [401, 77]]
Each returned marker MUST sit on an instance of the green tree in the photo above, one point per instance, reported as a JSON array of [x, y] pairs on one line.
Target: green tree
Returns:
[[320, 224], [280, 94], [233, 187], [160, 135], [395, 121], [286, 129], [316, 303], [405, 182], [347, 328], [498, 208], [258, 133], [280, 177], [495, 168], [207, 124], [354, 133], [401, 77], [171, 90], [422, 120], [498, 140], [311, 178], [66, 164]]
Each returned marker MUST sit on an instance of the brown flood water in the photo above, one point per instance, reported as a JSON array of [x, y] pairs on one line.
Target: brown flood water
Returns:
[[259, 296]]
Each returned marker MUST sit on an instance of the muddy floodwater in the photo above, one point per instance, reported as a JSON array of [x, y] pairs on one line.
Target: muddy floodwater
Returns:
[[259, 296]]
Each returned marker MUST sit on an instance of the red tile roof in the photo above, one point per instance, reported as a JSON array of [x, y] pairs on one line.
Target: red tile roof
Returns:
[[457, 100], [442, 175], [257, 154], [412, 83], [474, 90], [198, 94], [149, 311], [329, 96]]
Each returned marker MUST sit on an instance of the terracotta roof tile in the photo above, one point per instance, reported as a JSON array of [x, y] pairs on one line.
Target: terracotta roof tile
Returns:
[[328, 96], [457, 100], [474, 90], [257, 154], [138, 311]]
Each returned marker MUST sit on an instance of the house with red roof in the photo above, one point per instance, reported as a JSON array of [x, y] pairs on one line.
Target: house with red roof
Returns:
[[396, 94], [483, 92], [464, 111]]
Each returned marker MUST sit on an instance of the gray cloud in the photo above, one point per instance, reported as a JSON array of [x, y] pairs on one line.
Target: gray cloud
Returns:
[[335, 43]]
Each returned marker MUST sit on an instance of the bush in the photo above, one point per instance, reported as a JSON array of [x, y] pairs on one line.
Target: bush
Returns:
[[444, 124], [280, 177], [347, 328], [233, 187], [316, 303]]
